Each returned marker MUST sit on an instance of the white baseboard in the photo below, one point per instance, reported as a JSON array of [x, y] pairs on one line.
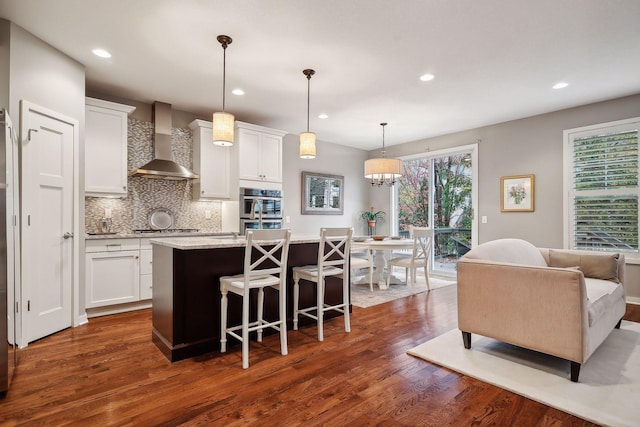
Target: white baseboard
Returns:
[[81, 320], [633, 300], [120, 308]]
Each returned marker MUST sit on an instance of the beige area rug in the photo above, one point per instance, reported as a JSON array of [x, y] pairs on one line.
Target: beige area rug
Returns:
[[361, 295], [608, 392]]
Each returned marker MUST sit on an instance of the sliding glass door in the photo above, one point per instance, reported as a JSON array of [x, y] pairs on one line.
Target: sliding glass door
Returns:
[[438, 190]]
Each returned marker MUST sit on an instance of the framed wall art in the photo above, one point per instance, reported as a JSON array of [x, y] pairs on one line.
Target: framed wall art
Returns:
[[517, 193]]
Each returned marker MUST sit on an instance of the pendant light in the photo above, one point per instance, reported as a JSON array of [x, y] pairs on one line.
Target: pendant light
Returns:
[[382, 170], [223, 123], [308, 139]]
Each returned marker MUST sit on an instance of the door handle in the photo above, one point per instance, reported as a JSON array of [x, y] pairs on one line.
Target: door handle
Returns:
[[67, 235]]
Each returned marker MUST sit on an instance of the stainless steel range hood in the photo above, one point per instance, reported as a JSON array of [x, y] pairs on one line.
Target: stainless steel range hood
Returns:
[[163, 166]]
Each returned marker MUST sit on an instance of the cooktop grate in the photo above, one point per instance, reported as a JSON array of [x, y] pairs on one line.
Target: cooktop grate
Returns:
[[166, 230]]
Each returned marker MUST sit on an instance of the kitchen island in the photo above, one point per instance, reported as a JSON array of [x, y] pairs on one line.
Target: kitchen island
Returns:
[[186, 290]]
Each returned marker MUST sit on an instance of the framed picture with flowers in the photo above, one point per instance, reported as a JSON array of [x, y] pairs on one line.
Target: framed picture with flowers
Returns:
[[517, 193]]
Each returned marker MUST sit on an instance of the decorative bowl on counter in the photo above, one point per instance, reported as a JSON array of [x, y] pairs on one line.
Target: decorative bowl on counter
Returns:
[[379, 238], [359, 238]]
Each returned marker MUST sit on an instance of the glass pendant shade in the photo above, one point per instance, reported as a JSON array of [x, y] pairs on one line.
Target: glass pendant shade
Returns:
[[307, 145], [223, 129]]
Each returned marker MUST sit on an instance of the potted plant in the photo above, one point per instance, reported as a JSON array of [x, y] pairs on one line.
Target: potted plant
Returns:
[[371, 216]]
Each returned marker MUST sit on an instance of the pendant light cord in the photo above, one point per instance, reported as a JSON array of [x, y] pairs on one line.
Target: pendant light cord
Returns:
[[224, 72], [308, 98], [383, 149], [224, 42]]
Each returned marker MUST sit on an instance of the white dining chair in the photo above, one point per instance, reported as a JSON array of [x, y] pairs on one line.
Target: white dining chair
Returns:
[[333, 253], [361, 259], [265, 265], [419, 258]]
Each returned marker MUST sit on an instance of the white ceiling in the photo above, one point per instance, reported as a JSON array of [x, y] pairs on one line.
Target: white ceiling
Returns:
[[494, 60]]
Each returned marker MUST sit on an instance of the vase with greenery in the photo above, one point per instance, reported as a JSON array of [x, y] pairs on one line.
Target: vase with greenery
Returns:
[[372, 216]]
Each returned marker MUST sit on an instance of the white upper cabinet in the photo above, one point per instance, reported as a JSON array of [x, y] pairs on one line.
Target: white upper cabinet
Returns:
[[212, 162], [105, 148], [259, 154]]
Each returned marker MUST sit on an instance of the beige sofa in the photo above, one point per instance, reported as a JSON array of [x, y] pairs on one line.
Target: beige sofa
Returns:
[[559, 302]]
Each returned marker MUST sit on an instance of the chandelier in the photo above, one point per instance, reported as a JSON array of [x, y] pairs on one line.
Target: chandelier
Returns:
[[382, 170], [223, 122]]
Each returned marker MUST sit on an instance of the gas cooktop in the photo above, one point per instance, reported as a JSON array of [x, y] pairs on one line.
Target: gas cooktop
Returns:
[[167, 230]]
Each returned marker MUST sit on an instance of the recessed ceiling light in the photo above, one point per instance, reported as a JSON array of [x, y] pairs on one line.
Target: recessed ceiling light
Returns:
[[101, 53], [427, 77], [560, 85], [323, 116], [238, 92]]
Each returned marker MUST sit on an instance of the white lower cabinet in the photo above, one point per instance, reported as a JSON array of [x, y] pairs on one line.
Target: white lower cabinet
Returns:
[[112, 272], [146, 268]]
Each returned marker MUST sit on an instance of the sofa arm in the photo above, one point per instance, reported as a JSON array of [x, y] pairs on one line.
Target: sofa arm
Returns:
[[540, 308]]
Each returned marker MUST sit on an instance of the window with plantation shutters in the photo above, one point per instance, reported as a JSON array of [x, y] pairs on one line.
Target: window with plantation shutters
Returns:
[[602, 175]]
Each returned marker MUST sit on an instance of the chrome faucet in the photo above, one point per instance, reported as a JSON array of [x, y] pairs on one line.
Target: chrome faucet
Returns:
[[253, 212]]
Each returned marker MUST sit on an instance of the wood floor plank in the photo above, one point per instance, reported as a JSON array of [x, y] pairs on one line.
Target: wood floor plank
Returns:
[[109, 373]]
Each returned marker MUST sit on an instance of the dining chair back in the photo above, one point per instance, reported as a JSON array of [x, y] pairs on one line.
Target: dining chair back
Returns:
[[333, 257], [420, 256], [265, 265]]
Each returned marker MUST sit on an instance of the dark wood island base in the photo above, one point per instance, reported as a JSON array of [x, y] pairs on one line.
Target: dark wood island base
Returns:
[[186, 295]]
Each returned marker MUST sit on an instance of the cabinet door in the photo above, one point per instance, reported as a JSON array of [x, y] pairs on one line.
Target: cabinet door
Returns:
[[106, 148], [112, 278], [271, 158], [146, 286], [212, 162], [214, 169], [249, 152], [146, 259]]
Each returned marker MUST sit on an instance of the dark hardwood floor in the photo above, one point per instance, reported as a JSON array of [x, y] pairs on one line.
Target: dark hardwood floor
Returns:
[[109, 373]]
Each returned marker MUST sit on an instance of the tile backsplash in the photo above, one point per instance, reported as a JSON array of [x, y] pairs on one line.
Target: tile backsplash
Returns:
[[144, 194]]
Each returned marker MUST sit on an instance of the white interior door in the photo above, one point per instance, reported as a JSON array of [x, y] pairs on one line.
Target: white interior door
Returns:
[[47, 220]]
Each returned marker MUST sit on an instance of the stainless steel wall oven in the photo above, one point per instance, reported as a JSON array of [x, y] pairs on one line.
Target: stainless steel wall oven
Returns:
[[260, 209]]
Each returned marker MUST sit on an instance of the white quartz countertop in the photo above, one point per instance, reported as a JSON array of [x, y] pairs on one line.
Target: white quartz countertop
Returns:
[[204, 242]]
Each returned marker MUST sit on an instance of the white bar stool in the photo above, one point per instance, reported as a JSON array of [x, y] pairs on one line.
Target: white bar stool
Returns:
[[333, 256], [269, 249]]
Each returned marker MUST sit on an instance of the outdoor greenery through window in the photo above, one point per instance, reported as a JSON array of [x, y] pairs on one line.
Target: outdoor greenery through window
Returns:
[[604, 190], [436, 192]]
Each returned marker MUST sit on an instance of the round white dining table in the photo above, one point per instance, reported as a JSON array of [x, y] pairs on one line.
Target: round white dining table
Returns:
[[382, 249]]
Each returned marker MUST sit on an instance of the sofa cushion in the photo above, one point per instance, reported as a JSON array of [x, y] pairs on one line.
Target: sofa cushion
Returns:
[[597, 266], [515, 251], [602, 295]]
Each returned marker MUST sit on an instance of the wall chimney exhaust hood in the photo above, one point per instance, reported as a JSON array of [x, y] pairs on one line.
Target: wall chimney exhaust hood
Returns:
[[163, 166]]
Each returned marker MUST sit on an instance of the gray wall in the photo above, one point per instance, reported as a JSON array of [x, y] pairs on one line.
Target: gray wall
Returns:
[[527, 146], [5, 31], [330, 159], [45, 76]]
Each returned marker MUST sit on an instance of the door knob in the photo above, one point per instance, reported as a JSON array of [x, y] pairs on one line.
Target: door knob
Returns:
[[67, 235]]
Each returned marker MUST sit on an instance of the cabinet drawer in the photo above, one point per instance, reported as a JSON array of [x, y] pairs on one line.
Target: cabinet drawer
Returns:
[[146, 286], [146, 261], [111, 245]]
